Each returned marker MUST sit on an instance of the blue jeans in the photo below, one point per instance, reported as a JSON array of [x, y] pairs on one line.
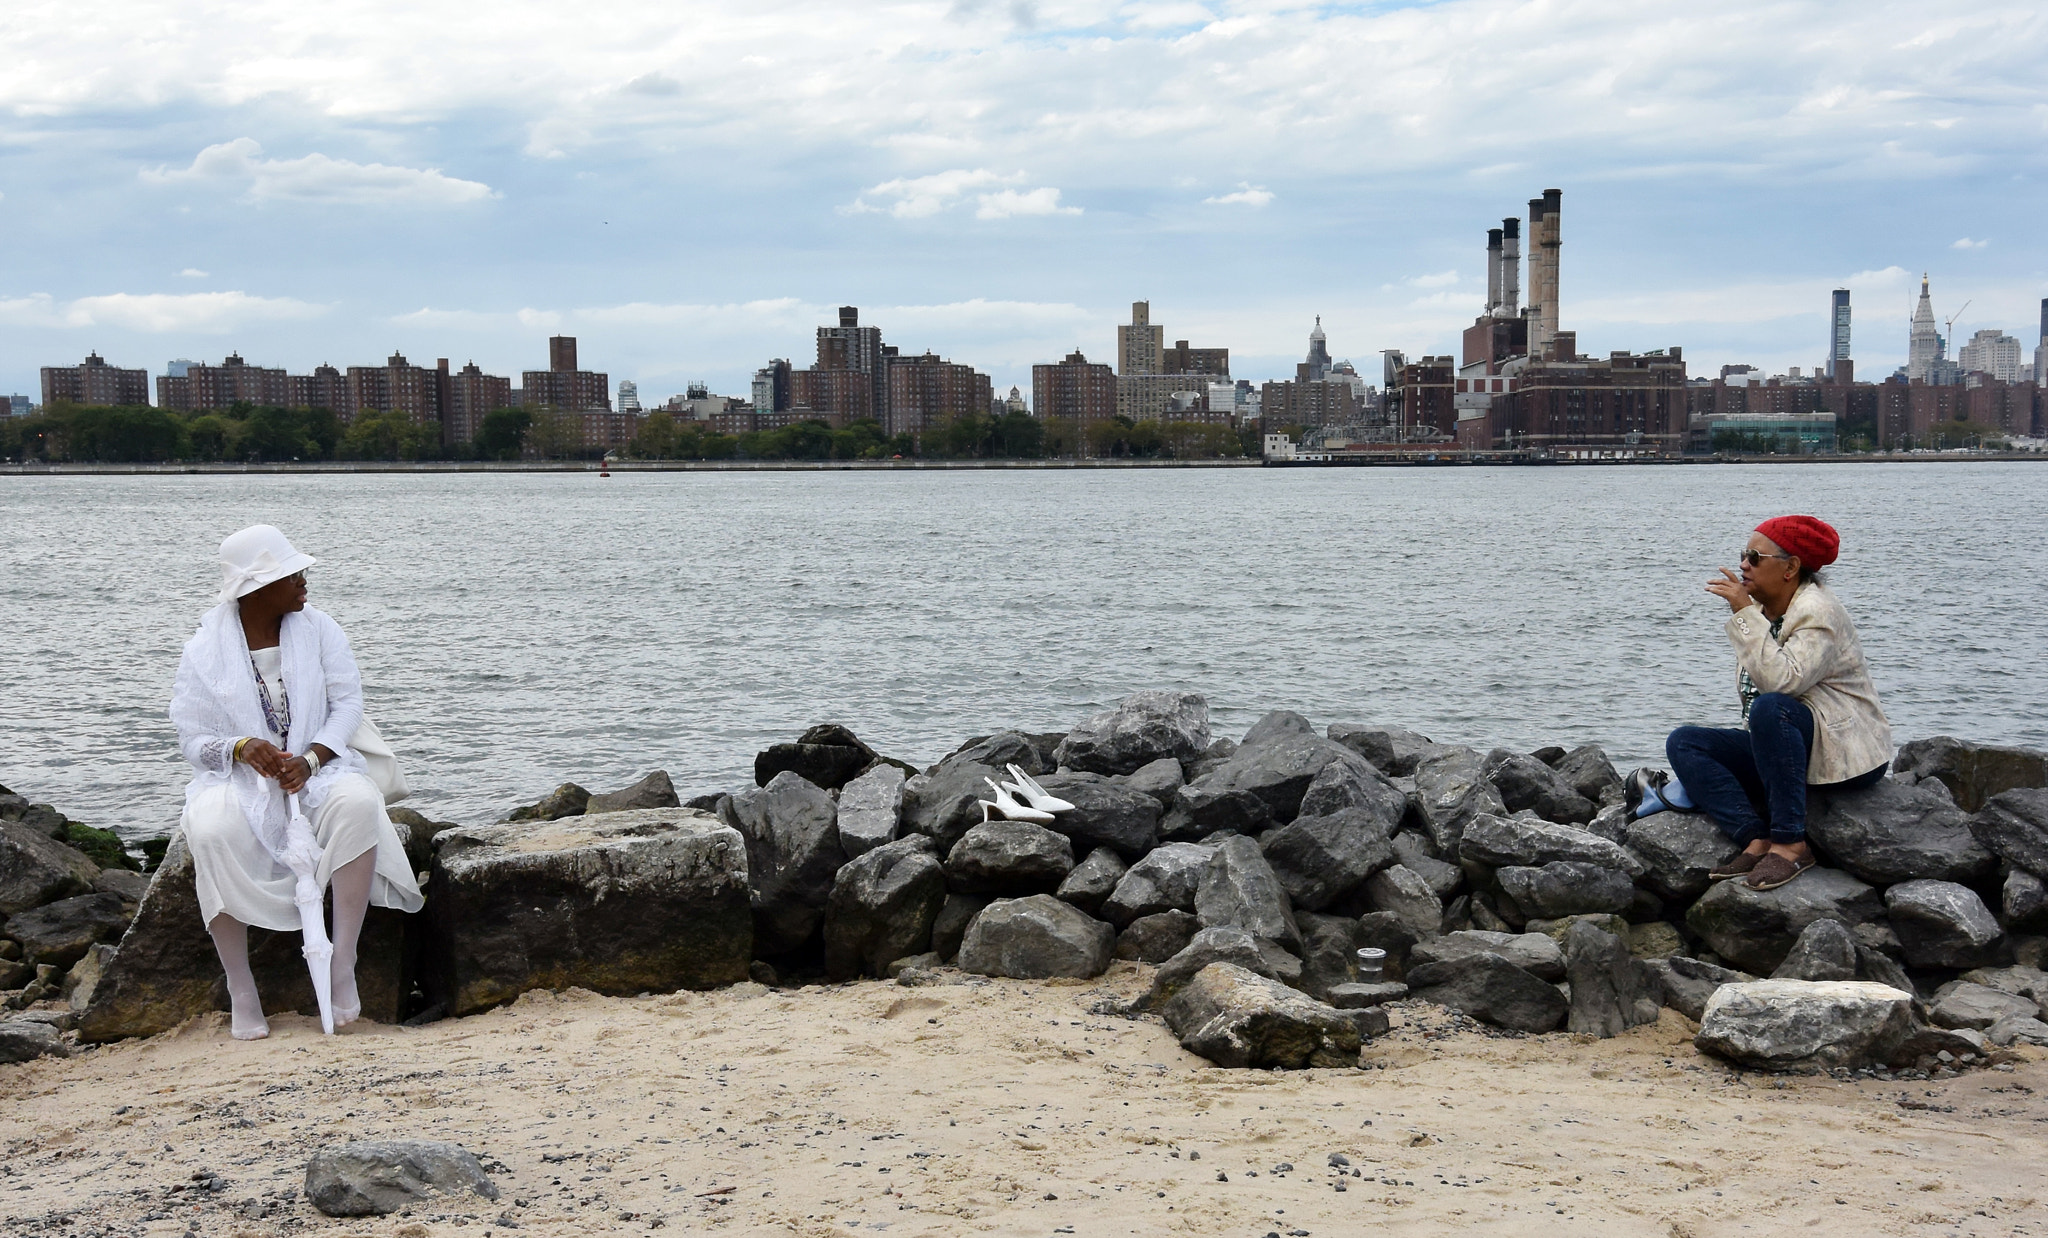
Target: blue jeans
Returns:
[[1737, 776]]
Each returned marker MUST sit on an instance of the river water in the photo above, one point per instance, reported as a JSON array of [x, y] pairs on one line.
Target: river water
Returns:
[[518, 630]]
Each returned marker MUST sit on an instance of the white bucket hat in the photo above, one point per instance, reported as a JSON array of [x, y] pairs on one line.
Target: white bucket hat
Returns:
[[257, 556]]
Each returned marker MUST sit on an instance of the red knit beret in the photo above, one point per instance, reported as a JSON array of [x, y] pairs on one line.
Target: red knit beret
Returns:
[[1813, 540]]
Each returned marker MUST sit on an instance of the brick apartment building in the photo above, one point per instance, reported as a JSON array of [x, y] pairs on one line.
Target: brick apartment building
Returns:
[[472, 396], [93, 381], [926, 392], [202, 387], [397, 386], [1075, 389], [562, 386]]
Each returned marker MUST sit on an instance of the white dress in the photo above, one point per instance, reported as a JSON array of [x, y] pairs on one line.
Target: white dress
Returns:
[[233, 870]]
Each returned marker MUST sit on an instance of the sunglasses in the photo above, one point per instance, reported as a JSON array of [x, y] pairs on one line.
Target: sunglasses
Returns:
[[1756, 557]]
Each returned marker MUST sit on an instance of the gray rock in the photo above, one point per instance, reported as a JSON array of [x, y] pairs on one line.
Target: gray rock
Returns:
[[1523, 842], [1009, 858], [1799, 1025], [1566, 888], [1391, 750], [1165, 880], [1611, 989], [58, 933], [566, 800], [1825, 950], [2020, 981], [1678, 850], [1329, 951], [1158, 779], [1383, 930], [651, 900], [882, 906], [1032, 753], [2014, 825], [1218, 751], [1490, 989], [1262, 784], [1687, 983], [1157, 937], [379, 1177], [1450, 789], [1587, 771], [1405, 895], [1755, 929], [1319, 860], [1535, 953], [1239, 889], [1092, 881], [1412, 851], [870, 810], [2018, 1030], [1220, 945], [1972, 773], [1882, 968], [1364, 996], [2024, 899], [653, 791], [83, 980], [1354, 784], [127, 883], [793, 854], [1943, 924], [1106, 813], [36, 869], [24, 1040], [1891, 832], [1036, 938], [1930, 1041], [1610, 823], [1962, 1004], [1527, 783], [1143, 727], [827, 756], [1276, 725], [944, 802], [1237, 1018], [949, 927]]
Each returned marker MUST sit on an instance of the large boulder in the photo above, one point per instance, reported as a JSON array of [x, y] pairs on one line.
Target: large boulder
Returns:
[[870, 810], [626, 902], [793, 854], [1105, 813], [1036, 938], [944, 802], [1527, 783], [1236, 1018], [1611, 989], [1825, 950], [1524, 841], [24, 1040], [1688, 983], [1891, 832], [2014, 826], [1960, 1003], [37, 869], [882, 907], [1028, 751], [1238, 889], [653, 791], [1587, 770], [1492, 990], [1157, 937], [1392, 750], [1329, 951], [1223, 944], [1009, 858], [827, 756], [59, 933], [377, 1178], [1678, 850], [1566, 888], [1943, 924], [1403, 893], [1973, 773], [1804, 1025], [1165, 880], [1158, 779], [1450, 789], [1391, 934], [1755, 929], [165, 969], [1143, 727], [1093, 880], [1320, 860], [1354, 784], [1263, 783], [1539, 955]]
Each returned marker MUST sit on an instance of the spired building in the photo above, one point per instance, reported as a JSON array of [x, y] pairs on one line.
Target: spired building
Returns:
[[1322, 393], [93, 381]]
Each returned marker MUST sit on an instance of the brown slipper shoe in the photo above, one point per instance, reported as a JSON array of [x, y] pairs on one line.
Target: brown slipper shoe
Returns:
[[1775, 870], [1736, 867]]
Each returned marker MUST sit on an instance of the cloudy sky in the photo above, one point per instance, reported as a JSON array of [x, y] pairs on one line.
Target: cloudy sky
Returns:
[[691, 187]]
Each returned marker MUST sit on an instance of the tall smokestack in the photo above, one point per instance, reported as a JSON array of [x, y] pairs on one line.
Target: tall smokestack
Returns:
[[1510, 267], [1544, 238], [1493, 272]]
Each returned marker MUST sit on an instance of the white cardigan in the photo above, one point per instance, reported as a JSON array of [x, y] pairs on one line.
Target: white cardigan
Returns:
[[1818, 659]]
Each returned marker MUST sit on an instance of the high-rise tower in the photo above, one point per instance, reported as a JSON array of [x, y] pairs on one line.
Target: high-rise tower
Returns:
[[1838, 330], [1923, 348]]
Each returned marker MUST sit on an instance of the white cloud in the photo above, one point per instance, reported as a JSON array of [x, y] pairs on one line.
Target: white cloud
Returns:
[[192, 273], [1967, 243], [1442, 279], [1004, 203], [318, 178], [917, 197], [1247, 194], [156, 313]]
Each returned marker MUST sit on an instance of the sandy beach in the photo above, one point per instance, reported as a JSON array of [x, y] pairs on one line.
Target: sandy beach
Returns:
[[1003, 1107]]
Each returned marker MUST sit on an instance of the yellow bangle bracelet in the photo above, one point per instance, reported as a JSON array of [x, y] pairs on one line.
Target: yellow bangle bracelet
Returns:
[[239, 745]]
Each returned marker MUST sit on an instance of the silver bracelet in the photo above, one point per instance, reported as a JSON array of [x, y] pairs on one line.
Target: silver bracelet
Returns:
[[313, 762]]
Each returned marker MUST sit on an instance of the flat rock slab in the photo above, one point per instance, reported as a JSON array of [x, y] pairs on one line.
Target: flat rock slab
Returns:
[[379, 1177], [1236, 1018], [1539, 955], [627, 902], [1804, 1025]]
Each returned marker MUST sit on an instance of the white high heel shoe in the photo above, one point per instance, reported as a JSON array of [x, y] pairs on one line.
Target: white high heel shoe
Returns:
[[1034, 794], [1012, 810]]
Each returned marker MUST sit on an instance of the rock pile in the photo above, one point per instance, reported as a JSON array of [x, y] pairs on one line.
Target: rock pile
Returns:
[[1250, 873]]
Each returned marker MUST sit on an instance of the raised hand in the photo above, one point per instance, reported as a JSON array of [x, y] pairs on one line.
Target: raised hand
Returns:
[[1731, 590]]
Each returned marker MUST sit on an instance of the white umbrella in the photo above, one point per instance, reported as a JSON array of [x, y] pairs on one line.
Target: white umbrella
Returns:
[[302, 856]]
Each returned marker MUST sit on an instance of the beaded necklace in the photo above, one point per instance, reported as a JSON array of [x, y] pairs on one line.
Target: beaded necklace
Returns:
[[278, 717]]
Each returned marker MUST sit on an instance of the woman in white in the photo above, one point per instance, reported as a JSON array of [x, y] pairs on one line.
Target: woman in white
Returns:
[[266, 700]]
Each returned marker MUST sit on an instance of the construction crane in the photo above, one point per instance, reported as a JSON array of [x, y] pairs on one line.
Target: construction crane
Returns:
[[1950, 337]]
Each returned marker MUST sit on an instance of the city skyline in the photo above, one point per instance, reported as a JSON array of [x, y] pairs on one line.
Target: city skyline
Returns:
[[998, 182]]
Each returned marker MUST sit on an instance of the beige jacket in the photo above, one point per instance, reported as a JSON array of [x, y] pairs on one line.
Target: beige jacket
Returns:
[[1817, 659]]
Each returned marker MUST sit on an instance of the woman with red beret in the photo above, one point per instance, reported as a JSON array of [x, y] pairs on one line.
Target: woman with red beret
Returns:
[[1812, 712]]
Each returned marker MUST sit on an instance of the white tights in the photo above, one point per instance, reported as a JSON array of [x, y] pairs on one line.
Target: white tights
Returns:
[[351, 887]]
